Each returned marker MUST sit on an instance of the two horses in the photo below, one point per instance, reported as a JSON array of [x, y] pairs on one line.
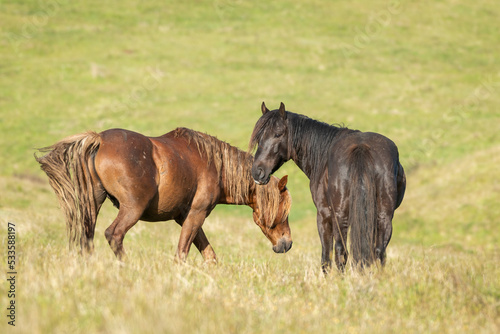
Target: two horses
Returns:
[[181, 175], [356, 180]]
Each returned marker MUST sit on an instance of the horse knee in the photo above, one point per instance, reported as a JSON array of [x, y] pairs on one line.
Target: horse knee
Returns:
[[115, 241], [109, 234]]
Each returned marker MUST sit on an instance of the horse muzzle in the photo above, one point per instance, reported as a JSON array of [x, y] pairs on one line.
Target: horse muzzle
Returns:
[[263, 183], [282, 246], [259, 176]]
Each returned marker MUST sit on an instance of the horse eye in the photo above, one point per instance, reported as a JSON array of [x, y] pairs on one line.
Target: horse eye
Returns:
[[277, 135]]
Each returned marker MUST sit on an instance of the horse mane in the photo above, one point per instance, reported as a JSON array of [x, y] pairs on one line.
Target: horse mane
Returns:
[[307, 138], [234, 172]]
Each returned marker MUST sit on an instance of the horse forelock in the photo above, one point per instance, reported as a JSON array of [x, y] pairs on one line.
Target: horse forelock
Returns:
[[265, 124], [270, 201]]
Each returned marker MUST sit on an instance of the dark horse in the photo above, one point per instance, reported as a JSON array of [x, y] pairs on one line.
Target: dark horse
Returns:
[[356, 180], [181, 175]]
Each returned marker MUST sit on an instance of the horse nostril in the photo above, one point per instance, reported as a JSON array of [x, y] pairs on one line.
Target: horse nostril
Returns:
[[260, 172], [282, 246]]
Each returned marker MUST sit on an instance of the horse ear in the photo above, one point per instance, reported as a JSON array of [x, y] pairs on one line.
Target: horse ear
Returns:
[[282, 183], [282, 110], [264, 108]]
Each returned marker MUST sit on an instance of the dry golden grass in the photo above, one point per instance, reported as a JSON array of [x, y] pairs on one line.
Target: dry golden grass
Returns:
[[424, 73], [422, 289]]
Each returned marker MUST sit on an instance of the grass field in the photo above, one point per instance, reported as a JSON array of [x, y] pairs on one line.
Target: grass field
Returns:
[[424, 73]]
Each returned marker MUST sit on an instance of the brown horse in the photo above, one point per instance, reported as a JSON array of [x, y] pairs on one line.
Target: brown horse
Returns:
[[181, 175], [356, 180]]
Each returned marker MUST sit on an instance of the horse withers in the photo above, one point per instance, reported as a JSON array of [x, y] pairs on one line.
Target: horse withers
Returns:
[[356, 180], [181, 175]]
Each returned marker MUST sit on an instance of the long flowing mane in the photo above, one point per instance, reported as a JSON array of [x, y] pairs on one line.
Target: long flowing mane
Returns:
[[308, 139], [234, 172]]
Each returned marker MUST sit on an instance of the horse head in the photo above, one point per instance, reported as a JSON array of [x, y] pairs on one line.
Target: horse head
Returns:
[[270, 135], [271, 207]]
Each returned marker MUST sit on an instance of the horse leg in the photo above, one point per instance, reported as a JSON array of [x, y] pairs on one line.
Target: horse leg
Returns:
[[189, 232], [340, 234], [115, 233], [201, 242], [387, 201], [384, 233], [324, 222], [99, 198]]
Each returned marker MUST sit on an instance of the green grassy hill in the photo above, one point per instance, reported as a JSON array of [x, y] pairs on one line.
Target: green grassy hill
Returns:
[[424, 73]]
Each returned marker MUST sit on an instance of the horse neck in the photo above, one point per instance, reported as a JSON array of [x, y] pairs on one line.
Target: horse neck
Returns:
[[309, 141]]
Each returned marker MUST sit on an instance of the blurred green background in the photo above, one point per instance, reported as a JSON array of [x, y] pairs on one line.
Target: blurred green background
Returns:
[[424, 73]]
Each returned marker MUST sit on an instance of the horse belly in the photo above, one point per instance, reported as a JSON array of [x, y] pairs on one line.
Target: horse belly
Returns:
[[177, 183], [170, 202]]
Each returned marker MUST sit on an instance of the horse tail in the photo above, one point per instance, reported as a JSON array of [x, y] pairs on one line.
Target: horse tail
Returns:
[[67, 164], [362, 210]]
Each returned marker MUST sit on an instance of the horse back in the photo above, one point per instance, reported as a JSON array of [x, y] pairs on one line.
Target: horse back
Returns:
[[380, 150], [184, 176], [132, 166]]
